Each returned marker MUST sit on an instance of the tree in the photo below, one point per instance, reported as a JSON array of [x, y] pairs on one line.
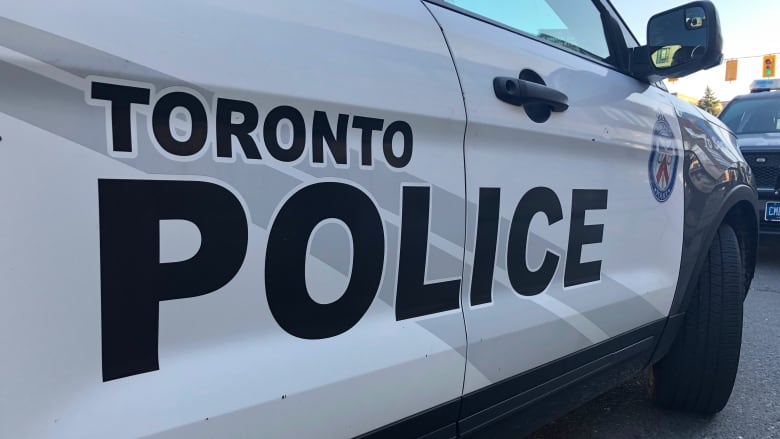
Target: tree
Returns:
[[709, 102]]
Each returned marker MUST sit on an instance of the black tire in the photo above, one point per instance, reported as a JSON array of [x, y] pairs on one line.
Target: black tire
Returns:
[[698, 372]]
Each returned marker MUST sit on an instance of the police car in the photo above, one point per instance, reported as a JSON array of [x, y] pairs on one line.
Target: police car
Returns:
[[357, 218], [755, 118]]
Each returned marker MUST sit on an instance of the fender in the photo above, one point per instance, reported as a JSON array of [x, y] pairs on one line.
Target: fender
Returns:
[[736, 208], [719, 187], [740, 210]]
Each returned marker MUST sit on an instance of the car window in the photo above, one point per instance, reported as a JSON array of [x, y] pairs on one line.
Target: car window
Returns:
[[753, 115], [574, 25]]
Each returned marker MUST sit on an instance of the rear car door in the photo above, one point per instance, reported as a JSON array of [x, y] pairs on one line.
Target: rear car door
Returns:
[[228, 219], [575, 222]]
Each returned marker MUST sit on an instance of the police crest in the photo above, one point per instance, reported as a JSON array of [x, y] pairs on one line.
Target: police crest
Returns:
[[664, 158]]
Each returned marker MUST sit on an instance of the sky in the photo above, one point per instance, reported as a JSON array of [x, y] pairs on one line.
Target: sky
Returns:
[[749, 29]]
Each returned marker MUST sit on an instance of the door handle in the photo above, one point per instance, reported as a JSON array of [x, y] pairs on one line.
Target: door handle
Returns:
[[518, 92]]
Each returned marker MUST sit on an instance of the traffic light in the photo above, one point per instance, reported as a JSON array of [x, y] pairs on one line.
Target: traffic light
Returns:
[[731, 70], [769, 66]]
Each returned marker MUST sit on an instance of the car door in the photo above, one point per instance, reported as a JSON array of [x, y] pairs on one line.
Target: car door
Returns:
[[575, 223], [229, 219]]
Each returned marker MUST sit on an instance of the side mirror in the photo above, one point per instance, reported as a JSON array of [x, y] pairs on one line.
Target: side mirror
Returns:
[[680, 41]]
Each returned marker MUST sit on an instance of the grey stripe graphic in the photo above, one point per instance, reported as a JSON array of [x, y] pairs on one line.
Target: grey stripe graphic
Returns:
[[262, 187], [85, 127], [81, 60]]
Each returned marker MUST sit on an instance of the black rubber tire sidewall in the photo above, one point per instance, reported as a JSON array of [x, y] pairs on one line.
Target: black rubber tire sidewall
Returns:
[[698, 372]]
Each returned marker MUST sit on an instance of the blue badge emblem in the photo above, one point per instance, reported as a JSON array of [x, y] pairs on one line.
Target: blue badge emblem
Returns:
[[662, 167]]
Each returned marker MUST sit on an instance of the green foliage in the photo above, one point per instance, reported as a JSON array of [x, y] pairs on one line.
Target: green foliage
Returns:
[[709, 102]]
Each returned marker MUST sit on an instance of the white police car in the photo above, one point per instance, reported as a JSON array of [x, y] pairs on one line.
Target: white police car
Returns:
[[755, 118], [359, 218]]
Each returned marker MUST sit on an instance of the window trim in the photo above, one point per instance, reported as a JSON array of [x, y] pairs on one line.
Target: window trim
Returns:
[[627, 30], [600, 7]]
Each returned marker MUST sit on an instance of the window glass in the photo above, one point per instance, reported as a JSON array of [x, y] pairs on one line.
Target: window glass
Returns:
[[575, 25], [753, 115]]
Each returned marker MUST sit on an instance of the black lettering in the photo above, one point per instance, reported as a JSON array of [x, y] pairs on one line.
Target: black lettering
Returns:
[[285, 263], [161, 123], [487, 242], [406, 156], [337, 144], [413, 297], [132, 279], [121, 98], [298, 143], [578, 272], [523, 280], [226, 128], [368, 125]]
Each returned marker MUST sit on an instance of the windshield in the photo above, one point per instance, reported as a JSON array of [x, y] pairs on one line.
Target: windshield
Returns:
[[750, 116]]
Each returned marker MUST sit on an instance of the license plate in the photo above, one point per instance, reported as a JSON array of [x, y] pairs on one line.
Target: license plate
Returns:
[[772, 211]]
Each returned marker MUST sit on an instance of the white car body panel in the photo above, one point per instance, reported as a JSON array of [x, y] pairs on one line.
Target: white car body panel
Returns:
[[603, 142]]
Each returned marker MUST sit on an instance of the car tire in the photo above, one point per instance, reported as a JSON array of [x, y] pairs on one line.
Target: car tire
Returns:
[[698, 372]]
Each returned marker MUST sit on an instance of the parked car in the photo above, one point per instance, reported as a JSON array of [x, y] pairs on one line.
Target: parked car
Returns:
[[355, 218], [755, 118]]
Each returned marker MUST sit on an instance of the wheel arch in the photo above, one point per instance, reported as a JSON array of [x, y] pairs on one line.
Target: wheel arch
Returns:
[[738, 209], [742, 217]]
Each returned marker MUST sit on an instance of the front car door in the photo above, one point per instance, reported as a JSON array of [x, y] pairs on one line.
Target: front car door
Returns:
[[575, 222]]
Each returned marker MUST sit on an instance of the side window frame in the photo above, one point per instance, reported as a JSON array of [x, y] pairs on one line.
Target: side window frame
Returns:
[[615, 38], [629, 38], [628, 35]]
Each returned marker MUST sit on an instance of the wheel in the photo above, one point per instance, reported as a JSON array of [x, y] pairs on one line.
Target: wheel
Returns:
[[698, 372]]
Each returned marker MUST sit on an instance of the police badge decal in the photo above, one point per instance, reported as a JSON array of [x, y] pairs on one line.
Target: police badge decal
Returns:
[[662, 166]]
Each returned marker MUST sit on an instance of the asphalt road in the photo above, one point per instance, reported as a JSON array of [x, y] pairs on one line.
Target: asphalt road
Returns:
[[754, 408]]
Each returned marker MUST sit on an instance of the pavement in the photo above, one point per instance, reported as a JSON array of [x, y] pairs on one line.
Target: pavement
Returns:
[[753, 410]]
